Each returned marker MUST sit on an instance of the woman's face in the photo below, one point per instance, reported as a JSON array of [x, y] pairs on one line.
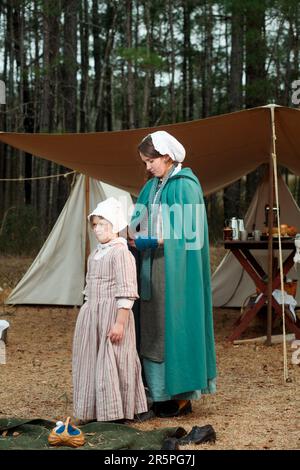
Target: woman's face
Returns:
[[157, 166], [103, 229]]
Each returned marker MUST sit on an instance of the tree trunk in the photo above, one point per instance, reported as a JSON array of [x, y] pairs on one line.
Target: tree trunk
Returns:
[[187, 64], [149, 41], [84, 53], [236, 57], [111, 17], [108, 94], [207, 87], [71, 8], [47, 188], [9, 156], [130, 77], [232, 194], [97, 55], [256, 85], [172, 63]]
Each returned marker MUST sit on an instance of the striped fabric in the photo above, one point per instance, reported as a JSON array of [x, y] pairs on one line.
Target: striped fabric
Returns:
[[107, 377]]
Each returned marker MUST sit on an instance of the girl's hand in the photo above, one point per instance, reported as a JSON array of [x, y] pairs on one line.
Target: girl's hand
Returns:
[[116, 333]]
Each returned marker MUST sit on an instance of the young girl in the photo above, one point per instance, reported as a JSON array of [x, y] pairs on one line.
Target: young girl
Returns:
[[106, 369]]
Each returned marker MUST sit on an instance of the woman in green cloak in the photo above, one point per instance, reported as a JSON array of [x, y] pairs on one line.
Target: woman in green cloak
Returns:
[[169, 227]]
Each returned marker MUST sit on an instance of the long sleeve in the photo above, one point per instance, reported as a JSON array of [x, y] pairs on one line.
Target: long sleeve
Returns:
[[125, 272], [87, 277]]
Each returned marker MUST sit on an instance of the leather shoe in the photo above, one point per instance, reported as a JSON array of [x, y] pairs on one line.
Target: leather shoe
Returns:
[[172, 408], [170, 443], [146, 416], [199, 435]]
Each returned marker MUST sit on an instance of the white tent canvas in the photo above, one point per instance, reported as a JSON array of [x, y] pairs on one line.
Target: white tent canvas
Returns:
[[57, 275], [231, 285]]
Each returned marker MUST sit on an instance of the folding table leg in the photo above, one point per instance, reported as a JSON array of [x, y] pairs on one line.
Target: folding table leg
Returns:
[[246, 319]]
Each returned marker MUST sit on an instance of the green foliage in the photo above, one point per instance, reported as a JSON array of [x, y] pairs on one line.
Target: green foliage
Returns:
[[20, 231], [142, 57]]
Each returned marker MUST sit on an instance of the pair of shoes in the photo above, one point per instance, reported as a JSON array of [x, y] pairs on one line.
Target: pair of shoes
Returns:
[[172, 408], [199, 435]]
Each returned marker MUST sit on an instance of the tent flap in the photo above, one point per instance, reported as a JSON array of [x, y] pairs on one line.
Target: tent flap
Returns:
[[220, 149]]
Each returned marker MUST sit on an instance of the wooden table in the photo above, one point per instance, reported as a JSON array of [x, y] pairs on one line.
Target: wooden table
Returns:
[[241, 251]]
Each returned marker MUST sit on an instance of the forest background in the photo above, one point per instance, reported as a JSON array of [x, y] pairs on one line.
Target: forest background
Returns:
[[88, 65]]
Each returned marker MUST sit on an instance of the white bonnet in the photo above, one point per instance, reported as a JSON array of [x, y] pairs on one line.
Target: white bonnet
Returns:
[[166, 144], [111, 210]]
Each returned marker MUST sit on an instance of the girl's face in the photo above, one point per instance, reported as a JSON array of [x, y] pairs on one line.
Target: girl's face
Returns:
[[157, 166], [103, 229]]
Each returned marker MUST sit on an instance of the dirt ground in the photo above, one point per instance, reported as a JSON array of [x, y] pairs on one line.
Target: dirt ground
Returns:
[[252, 409]]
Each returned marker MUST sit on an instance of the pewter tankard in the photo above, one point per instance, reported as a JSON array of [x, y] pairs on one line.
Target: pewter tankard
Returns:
[[233, 223], [241, 226]]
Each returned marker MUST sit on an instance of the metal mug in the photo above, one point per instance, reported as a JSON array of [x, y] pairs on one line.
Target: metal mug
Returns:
[[241, 226], [233, 223], [257, 235], [244, 235]]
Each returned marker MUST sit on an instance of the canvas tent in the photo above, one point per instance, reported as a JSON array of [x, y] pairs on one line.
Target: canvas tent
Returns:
[[220, 149], [231, 285], [57, 275]]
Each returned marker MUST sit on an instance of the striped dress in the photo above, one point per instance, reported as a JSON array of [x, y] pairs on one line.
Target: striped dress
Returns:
[[107, 377]]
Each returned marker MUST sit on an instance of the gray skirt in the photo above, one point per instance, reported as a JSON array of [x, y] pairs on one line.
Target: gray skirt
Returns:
[[152, 317]]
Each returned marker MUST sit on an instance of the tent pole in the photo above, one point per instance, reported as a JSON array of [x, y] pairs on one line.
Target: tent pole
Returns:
[[270, 253], [270, 246], [87, 210]]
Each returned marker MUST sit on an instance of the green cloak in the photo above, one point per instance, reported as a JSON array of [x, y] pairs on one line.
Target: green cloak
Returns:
[[190, 361]]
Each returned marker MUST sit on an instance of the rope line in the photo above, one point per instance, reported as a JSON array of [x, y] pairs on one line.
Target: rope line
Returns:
[[39, 177]]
